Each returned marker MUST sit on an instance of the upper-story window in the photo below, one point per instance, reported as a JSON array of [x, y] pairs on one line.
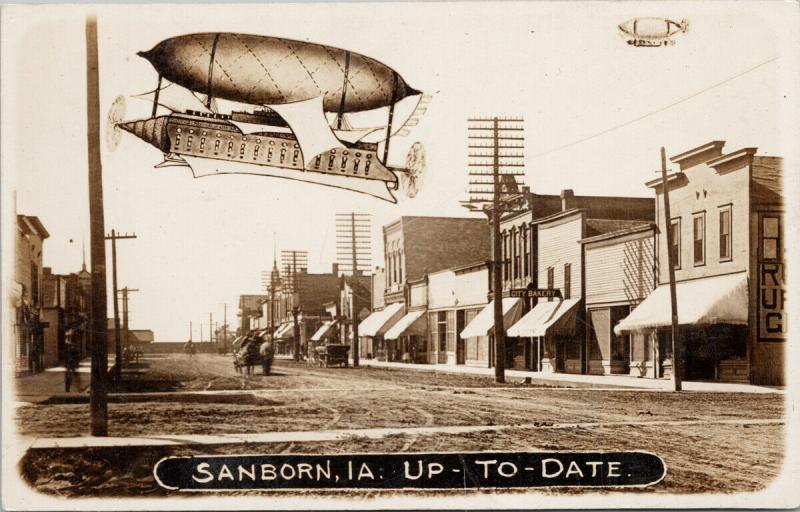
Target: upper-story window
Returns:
[[699, 238], [771, 242], [526, 253], [675, 248], [506, 258], [400, 266], [34, 284], [725, 249], [550, 279], [567, 280], [515, 254]]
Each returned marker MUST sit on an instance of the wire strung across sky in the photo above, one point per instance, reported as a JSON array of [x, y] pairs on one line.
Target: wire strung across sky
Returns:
[[662, 109]]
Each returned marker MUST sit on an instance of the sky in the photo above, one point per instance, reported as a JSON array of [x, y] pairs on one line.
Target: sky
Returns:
[[562, 66]]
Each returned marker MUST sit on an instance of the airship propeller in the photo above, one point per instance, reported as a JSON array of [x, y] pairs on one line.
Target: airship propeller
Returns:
[[411, 178], [116, 114]]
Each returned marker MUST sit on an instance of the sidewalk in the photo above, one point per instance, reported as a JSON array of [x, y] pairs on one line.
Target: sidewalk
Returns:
[[37, 387], [577, 380]]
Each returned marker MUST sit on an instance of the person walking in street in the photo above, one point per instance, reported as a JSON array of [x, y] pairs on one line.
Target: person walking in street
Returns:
[[71, 362], [267, 353]]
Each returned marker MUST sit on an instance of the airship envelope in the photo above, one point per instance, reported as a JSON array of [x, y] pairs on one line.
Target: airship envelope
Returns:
[[264, 70]]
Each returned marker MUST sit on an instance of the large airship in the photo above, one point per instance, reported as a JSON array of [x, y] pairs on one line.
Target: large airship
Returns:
[[248, 104]]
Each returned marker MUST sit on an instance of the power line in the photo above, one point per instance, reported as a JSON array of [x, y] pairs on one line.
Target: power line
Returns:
[[658, 111]]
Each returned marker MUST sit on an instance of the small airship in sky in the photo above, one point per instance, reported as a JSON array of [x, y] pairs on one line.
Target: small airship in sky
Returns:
[[248, 104], [651, 31]]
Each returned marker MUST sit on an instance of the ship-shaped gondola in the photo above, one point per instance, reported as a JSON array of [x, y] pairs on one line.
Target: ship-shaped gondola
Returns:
[[246, 104]]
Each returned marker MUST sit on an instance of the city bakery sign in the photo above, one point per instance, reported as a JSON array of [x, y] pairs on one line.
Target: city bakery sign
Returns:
[[772, 321]]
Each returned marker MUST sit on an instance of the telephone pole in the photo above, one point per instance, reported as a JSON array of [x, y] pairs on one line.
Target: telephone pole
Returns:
[[125, 291], [117, 343], [493, 175], [98, 399], [225, 327], [291, 260], [210, 327], [677, 361], [354, 253]]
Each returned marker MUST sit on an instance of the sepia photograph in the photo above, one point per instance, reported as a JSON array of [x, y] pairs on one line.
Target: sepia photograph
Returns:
[[400, 255]]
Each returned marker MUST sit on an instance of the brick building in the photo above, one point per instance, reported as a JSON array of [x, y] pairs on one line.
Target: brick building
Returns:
[[414, 247]]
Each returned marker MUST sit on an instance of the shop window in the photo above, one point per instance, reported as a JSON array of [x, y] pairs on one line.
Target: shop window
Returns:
[[771, 238], [725, 252], [567, 280], [400, 266], [675, 248], [699, 238]]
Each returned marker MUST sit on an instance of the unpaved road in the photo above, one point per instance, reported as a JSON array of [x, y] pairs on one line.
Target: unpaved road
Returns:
[[202, 395]]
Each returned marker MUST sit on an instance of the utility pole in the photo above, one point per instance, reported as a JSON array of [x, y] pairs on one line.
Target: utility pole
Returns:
[[677, 361], [354, 253], [125, 291], [210, 327], [117, 343], [290, 260], [225, 327], [98, 399], [492, 175]]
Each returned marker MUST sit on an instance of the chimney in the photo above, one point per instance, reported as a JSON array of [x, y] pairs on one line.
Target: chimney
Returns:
[[567, 199], [335, 269]]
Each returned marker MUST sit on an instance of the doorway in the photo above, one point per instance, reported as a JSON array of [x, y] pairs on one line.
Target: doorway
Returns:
[[460, 348]]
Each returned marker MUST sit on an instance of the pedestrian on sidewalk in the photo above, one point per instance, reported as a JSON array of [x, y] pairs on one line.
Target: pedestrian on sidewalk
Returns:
[[71, 362]]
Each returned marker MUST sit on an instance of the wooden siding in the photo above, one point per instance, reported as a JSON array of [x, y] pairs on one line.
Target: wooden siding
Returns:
[[621, 270], [558, 245]]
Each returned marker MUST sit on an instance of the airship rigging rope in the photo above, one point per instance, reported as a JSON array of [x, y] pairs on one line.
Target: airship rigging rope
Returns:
[[209, 89], [391, 116], [155, 98], [344, 90], [658, 111]]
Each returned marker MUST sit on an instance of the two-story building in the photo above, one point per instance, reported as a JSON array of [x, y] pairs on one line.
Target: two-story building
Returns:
[[26, 294], [551, 335], [415, 246], [727, 223]]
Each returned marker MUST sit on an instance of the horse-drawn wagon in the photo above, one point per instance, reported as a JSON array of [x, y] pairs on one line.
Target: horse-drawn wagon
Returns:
[[332, 355]]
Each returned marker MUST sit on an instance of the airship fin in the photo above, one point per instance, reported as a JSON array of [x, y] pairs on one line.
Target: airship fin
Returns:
[[172, 160], [308, 123]]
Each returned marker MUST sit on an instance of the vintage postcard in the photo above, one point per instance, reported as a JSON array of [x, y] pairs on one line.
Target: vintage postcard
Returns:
[[411, 255]]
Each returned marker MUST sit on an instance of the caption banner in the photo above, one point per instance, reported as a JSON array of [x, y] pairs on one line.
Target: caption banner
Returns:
[[411, 471]]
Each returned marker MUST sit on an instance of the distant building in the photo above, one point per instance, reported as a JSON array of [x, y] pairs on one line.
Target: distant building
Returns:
[[729, 256], [249, 310]]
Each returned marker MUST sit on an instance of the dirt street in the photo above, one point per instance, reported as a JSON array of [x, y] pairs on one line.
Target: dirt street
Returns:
[[721, 451]]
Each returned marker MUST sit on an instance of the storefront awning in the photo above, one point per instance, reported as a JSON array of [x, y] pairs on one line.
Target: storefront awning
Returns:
[[379, 322], [709, 300], [284, 331], [483, 324], [323, 330], [413, 324], [557, 316]]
